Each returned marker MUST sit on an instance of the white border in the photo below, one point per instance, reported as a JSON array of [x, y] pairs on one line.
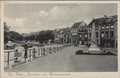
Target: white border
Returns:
[[73, 74], [56, 2]]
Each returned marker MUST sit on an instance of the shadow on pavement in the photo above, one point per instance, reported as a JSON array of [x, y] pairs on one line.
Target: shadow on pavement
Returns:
[[80, 52]]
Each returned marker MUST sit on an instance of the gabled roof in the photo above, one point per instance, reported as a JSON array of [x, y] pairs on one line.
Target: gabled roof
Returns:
[[63, 30], [110, 20], [96, 21], [76, 25], [104, 20]]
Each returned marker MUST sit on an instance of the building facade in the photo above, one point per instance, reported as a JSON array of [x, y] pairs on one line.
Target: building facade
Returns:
[[79, 33], [62, 36], [58, 36], [106, 31]]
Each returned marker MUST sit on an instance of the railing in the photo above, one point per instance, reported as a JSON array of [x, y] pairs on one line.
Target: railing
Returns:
[[14, 57]]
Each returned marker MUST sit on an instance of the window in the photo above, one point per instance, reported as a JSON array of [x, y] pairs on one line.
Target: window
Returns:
[[106, 33], [111, 33], [90, 28], [102, 27], [97, 41], [102, 34], [96, 34], [73, 30], [80, 35], [82, 28], [76, 31], [89, 34], [107, 27], [111, 26], [85, 35]]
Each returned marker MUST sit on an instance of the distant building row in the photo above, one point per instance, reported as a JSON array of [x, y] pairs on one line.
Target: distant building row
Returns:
[[80, 32]]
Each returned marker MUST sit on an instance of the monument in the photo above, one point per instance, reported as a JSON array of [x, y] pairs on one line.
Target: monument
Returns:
[[93, 47]]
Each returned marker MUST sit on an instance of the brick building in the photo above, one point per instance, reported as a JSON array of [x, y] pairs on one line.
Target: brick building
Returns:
[[106, 31]]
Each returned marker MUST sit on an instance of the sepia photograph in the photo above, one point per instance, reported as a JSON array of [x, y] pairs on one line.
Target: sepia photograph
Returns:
[[60, 37]]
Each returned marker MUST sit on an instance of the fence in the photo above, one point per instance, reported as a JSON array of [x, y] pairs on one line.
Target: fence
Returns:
[[14, 57]]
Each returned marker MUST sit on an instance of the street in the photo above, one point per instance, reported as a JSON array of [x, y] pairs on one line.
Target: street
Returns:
[[66, 61]]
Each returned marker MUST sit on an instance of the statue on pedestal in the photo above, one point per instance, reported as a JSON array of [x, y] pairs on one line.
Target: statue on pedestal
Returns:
[[93, 47]]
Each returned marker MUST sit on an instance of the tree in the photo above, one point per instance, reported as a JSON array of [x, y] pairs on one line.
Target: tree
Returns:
[[6, 33], [44, 36], [11, 35]]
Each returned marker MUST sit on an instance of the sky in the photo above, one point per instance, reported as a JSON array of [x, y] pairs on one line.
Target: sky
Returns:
[[26, 18]]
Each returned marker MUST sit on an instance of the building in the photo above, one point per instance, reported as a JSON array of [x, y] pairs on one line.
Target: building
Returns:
[[67, 35], [58, 36], [79, 33], [62, 36], [106, 31]]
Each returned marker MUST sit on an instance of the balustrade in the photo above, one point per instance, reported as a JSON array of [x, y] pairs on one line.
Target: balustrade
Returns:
[[16, 57]]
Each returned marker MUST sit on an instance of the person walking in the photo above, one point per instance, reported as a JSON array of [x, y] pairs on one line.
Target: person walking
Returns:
[[26, 49]]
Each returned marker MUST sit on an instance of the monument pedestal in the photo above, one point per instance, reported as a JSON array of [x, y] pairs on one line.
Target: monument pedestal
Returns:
[[94, 49]]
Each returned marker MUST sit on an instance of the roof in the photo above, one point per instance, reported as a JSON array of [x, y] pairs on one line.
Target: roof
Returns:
[[104, 20], [63, 30], [76, 25], [96, 21]]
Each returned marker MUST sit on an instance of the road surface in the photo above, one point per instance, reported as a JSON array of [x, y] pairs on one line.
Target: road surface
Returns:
[[66, 61]]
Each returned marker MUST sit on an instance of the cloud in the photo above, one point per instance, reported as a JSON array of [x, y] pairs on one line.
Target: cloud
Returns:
[[16, 24], [56, 17], [53, 16], [42, 13]]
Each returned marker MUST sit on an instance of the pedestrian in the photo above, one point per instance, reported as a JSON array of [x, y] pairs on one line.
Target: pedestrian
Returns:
[[44, 51], [34, 53], [50, 49], [26, 49], [16, 55]]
